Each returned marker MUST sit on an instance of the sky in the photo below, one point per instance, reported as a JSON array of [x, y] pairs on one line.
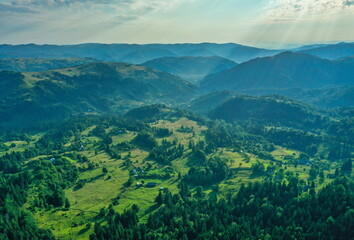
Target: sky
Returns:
[[262, 23]]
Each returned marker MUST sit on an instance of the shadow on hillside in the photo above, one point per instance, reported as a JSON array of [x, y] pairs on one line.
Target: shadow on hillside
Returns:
[[151, 209]]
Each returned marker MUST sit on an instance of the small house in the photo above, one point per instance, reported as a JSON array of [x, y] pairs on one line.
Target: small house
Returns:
[[133, 172]]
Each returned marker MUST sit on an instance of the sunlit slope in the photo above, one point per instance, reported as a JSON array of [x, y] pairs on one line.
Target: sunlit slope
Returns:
[[93, 88]]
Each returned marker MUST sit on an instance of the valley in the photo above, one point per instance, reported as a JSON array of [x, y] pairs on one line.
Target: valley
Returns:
[[178, 147]]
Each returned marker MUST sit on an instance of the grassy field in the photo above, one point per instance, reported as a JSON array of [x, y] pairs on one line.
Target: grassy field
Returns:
[[182, 137], [100, 189]]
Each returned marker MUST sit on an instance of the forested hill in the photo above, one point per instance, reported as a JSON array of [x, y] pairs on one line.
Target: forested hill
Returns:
[[92, 88], [271, 109], [285, 70], [330, 97]]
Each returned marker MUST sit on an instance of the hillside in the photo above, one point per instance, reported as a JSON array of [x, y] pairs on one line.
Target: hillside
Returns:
[[41, 64], [88, 176], [191, 69], [330, 97], [285, 70], [205, 103], [90, 88]]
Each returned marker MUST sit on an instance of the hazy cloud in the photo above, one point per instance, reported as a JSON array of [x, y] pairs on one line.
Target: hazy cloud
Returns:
[[10, 9], [289, 10], [54, 4]]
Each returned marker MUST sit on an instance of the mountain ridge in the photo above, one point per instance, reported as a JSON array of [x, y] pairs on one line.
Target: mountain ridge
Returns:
[[94, 88], [134, 53], [41, 64]]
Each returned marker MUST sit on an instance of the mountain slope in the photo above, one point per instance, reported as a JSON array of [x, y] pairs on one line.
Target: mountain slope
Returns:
[[332, 52], [308, 47], [241, 54], [94, 87], [190, 68], [205, 103], [41, 64], [285, 70]]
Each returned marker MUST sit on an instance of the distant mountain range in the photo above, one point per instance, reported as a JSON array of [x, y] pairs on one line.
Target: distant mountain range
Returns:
[[137, 54], [90, 88], [285, 70], [192, 69], [41, 64], [134, 53], [49, 81]]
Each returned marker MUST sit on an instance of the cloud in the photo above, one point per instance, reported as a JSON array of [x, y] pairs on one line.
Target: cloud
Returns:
[[126, 10], [291, 10], [72, 20]]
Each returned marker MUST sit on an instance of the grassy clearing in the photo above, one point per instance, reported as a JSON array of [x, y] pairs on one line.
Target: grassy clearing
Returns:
[[21, 146], [282, 152], [126, 137], [99, 191], [145, 197], [182, 137], [86, 202]]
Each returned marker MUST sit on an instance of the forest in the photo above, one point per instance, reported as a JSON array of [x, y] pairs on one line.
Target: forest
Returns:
[[175, 175]]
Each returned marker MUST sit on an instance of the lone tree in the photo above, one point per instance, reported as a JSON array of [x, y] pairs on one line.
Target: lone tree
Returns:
[[67, 203]]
